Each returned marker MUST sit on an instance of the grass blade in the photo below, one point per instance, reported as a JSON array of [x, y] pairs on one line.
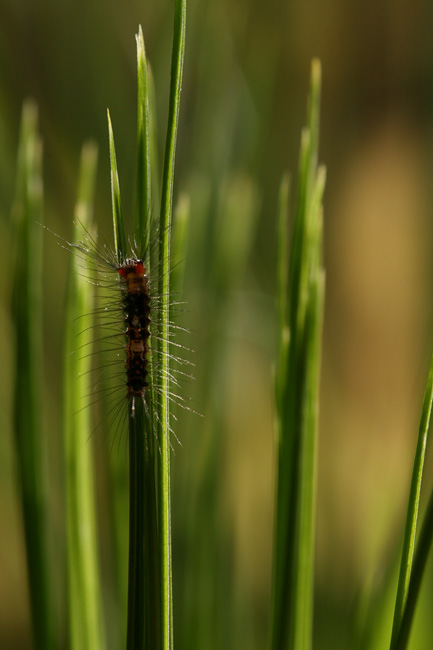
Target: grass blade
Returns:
[[153, 134], [418, 568], [164, 289], [144, 621], [84, 600], [301, 299], [399, 636], [138, 622], [29, 434], [118, 225], [144, 183], [143, 582]]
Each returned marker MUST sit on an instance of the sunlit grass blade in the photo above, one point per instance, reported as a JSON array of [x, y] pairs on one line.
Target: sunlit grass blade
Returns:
[[84, 598], [164, 290], [29, 431], [400, 635], [418, 568], [118, 225], [144, 183], [301, 300], [153, 136], [304, 570]]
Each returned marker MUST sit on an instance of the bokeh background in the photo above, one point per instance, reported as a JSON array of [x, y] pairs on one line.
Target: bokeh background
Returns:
[[243, 105]]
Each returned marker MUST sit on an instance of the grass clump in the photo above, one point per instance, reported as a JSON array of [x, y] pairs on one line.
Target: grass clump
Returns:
[[300, 302]]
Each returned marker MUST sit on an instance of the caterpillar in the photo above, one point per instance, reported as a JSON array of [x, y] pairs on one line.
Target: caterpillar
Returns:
[[128, 315], [136, 307]]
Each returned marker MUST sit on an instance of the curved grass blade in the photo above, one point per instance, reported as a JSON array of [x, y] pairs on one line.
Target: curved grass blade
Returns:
[[29, 434], [419, 563], [404, 581], [164, 290], [84, 600]]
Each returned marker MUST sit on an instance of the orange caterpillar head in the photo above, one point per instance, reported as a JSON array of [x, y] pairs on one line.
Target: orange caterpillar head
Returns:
[[132, 267]]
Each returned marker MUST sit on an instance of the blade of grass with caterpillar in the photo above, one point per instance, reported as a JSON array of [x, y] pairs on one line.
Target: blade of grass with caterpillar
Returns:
[[143, 624]]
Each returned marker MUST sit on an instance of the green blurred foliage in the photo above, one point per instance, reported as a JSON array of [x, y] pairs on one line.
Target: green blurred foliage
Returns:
[[243, 105]]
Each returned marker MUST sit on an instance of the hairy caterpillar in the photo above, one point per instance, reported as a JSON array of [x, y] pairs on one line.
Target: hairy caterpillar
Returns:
[[127, 318]]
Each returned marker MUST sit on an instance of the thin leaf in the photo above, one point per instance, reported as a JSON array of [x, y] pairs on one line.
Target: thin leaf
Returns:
[[144, 184], [418, 569], [164, 290], [153, 130], [412, 519], [119, 229]]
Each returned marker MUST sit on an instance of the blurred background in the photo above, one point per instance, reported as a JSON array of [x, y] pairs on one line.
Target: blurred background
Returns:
[[243, 105]]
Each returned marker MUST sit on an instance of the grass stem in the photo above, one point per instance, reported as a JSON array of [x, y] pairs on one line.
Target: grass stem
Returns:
[[164, 290], [404, 581]]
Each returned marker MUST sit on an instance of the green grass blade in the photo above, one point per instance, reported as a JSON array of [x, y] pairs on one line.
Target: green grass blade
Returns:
[[164, 290], [137, 613], [144, 184], [304, 565], [173, 117], [29, 433], [153, 134], [419, 563], [144, 621], [145, 171], [143, 584], [296, 385], [412, 519], [283, 239], [118, 225], [85, 620], [282, 287]]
